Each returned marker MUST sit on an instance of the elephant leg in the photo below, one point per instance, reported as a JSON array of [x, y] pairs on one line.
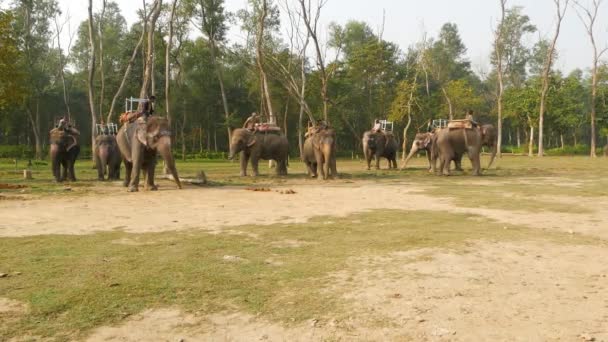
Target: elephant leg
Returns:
[[377, 157], [458, 162], [137, 158], [255, 161], [71, 172], [56, 167], [100, 169], [445, 168], [474, 156], [64, 170], [244, 162], [428, 157], [150, 170], [368, 159], [320, 170], [128, 169]]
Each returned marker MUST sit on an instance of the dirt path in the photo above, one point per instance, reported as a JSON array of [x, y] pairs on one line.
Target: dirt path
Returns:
[[217, 208]]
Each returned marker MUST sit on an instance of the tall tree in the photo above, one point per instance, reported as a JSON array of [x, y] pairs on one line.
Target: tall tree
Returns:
[[212, 23], [561, 8], [588, 15], [168, 61], [149, 55], [91, 77], [261, 15], [499, 52]]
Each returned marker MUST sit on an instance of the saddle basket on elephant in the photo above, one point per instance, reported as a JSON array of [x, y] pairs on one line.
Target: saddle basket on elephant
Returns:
[[267, 128]]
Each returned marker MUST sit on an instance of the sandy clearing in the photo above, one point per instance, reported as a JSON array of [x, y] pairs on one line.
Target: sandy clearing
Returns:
[[490, 291], [214, 209]]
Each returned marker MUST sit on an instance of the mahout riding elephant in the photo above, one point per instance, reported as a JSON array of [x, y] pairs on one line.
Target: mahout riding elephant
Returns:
[[323, 141], [139, 144], [380, 145], [254, 146], [64, 150], [107, 157], [452, 143]]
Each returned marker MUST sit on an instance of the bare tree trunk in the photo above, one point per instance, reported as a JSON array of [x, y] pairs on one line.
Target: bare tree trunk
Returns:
[[200, 139], [311, 25], [127, 73], [518, 138], [499, 56], [546, 71], [259, 41], [66, 95], [92, 74], [589, 22], [449, 102], [150, 51], [101, 68], [35, 121], [531, 142], [168, 63]]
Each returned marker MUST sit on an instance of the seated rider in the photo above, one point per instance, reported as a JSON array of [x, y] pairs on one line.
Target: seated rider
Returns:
[[65, 126], [148, 107], [469, 117], [251, 121], [377, 126]]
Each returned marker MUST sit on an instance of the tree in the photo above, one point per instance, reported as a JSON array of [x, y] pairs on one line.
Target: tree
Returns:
[[446, 61], [499, 53], [168, 62], [12, 79], [149, 56], [212, 23], [91, 78], [548, 63], [588, 16], [34, 30]]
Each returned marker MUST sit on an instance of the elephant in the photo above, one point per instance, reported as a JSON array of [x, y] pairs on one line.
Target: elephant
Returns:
[[254, 146], [64, 151], [323, 141], [451, 144], [380, 145], [138, 154], [107, 157], [422, 141], [308, 157]]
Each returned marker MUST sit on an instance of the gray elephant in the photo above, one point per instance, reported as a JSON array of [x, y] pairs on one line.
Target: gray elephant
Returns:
[[64, 150], [254, 146], [107, 157], [139, 144], [323, 141], [452, 143], [380, 145], [309, 158], [422, 141]]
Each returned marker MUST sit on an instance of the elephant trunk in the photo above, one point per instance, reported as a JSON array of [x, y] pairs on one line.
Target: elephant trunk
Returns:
[[493, 155], [164, 149], [233, 151], [409, 156]]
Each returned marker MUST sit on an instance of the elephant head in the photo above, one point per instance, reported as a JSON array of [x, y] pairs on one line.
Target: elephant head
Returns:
[[422, 141], [370, 140], [242, 139]]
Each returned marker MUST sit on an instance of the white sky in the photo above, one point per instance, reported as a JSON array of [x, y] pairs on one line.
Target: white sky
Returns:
[[406, 18]]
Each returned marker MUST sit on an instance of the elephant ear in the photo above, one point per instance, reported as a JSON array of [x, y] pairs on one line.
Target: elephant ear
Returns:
[[427, 140]]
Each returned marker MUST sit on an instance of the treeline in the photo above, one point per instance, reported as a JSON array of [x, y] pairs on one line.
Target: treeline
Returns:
[[287, 73]]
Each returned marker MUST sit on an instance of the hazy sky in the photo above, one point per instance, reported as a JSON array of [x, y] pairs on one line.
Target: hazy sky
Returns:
[[405, 20]]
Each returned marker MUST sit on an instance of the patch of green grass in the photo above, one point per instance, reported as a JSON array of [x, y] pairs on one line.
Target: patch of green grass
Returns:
[[73, 284]]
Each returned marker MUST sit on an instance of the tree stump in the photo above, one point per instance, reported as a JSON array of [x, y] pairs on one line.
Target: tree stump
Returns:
[[27, 174]]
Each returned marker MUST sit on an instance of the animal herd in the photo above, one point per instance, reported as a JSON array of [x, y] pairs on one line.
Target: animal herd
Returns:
[[137, 145]]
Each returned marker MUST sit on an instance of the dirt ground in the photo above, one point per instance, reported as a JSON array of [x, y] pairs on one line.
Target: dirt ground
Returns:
[[489, 291]]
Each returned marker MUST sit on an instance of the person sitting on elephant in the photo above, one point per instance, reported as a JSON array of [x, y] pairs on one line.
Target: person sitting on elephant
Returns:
[[469, 116], [252, 121], [65, 126], [148, 107], [377, 127]]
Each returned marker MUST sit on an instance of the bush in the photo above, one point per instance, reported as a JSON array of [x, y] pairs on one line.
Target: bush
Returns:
[[578, 150], [17, 151]]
